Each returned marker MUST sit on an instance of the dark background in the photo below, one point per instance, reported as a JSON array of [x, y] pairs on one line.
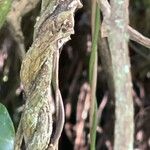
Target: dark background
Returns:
[[73, 75]]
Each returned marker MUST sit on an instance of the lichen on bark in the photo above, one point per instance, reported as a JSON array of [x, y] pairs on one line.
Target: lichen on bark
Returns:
[[118, 43]]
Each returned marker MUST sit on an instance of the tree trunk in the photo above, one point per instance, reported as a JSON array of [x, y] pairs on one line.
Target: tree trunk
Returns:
[[118, 43]]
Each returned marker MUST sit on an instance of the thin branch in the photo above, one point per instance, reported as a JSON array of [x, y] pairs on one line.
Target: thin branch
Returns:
[[133, 34], [83, 106], [18, 10], [138, 37]]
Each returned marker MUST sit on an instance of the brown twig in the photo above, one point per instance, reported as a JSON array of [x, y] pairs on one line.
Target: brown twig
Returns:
[[102, 106], [81, 115], [138, 37]]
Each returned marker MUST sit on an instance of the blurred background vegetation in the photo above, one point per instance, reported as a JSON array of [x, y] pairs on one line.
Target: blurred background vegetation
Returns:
[[73, 75]]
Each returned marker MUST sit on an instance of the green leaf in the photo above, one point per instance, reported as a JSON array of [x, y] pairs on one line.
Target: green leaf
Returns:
[[4, 9], [7, 132]]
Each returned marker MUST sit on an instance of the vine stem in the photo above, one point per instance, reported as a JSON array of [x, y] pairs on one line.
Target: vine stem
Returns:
[[93, 74]]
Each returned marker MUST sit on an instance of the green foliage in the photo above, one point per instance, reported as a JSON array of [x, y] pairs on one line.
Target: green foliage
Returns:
[[4, 9], [7, 132]]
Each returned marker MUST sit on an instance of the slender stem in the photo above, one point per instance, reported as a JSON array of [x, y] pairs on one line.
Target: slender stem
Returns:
[[93, 78]]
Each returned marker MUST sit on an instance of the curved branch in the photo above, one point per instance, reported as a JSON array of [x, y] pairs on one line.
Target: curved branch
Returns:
[[14, 17], [138, 37]]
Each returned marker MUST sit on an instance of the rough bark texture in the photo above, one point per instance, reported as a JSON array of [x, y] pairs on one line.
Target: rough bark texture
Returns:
[[54, 28], [118, 42]]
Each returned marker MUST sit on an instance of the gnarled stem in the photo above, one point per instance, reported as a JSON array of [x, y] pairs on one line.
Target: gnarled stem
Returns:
[[53, 29]]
